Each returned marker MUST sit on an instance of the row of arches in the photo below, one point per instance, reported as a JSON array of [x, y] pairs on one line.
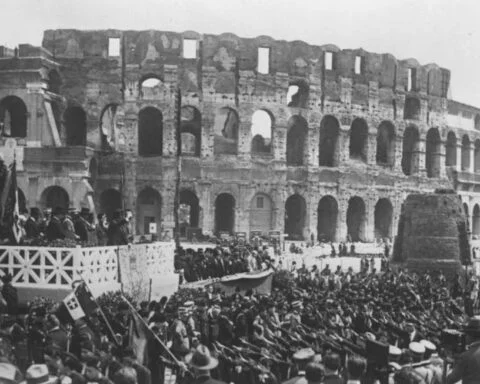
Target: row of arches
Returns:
[[262, 213]]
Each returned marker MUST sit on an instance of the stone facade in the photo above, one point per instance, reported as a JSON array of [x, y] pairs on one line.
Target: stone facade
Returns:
[[313, 141]]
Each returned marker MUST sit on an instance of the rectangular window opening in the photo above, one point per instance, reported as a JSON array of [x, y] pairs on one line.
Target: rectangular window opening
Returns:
[[328, 61], [259, 202], [412, 77], [189, 48], [263, 60], [114, 47], [358, 65]]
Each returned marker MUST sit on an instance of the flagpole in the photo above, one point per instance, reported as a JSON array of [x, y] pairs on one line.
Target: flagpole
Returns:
[[175, 360]]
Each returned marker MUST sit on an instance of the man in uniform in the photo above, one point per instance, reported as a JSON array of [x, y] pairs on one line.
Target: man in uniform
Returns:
[[301, 359]]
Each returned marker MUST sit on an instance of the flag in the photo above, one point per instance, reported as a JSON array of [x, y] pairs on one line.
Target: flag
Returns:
[[9, 204], [140, 338], [73, 306]]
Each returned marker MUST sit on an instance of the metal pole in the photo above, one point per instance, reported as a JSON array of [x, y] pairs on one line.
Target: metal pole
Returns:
[[176, 201]]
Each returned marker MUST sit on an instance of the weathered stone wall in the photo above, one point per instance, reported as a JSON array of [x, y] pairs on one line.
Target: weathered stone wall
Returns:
[[432, 233], [224, 75]]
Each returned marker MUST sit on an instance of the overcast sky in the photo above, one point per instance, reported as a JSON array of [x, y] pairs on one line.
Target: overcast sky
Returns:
[[446, 32]]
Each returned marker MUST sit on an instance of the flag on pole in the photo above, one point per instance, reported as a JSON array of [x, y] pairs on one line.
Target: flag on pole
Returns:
[[9, 204], [73, 306]]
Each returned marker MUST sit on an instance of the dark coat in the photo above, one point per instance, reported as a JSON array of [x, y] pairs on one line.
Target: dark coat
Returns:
[[9, 293], [81, 229], [467, 367], [117, 233], [55, 229], [32, 228]]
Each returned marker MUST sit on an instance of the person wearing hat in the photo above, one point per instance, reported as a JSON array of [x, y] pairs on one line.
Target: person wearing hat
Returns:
[[68, 226], [202, 362], [301, 358], [83, 228], [9, 373], [181, 341], [32, 227], [55, 229], [117, 233], [9, 293], [39, 374], [417, 352], [467, 366]]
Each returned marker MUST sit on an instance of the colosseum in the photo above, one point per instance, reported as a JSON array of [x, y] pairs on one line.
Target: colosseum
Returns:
[[273, 136]]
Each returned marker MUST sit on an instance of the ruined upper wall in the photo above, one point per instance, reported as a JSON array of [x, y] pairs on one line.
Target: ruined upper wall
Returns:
[[229, 54]]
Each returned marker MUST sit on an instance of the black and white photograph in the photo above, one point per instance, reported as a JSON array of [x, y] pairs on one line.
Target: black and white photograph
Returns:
[[239, 192]]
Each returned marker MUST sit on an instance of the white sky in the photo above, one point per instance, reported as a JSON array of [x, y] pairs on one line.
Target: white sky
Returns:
[[446, 32]]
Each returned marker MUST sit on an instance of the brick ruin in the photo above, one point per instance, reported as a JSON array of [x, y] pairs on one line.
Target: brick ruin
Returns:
[[312, 141]]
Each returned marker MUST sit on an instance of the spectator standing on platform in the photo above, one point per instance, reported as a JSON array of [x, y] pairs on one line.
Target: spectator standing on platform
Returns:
[[55, 228], [101, 229], [32, 227], [117, 232], [82, 226], [68, 226]]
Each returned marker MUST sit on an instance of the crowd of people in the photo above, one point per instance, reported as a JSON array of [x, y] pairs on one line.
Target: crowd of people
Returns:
[[315, 327], [75, 227]]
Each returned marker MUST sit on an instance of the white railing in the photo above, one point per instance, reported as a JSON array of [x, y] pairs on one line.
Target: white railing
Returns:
[[59, 268]]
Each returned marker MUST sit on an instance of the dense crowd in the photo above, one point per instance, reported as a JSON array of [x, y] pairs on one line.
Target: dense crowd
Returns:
[[316, 327], [74, 227]]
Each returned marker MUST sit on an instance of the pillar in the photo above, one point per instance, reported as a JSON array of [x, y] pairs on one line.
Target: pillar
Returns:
[[342, 154], [419, 168], [471, 168], [372, 149], [244, 140], [397, 165], [280, 143], [458, 167], [442, 154], [342, 219]]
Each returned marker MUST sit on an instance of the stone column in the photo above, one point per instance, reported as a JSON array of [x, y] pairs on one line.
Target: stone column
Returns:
[[280, 143], [206, 219], [342, 219], [419, 167], [442, 154], [244, 140], [370, 219], [471, 168], [372, 148], [459, 155], [342, 153], [312, 147], [397, 165]]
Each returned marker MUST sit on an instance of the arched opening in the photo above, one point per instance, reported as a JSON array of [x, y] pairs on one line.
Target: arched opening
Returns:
[[297, 135], [262, 132], [329, 131], [386, 144], [261, 213], [22, 201], [476, 220], [93, 172], [451, 150], [433, 153], [54, 81], [467, 215], [53, 197], [297, 94], [465, 153], [477, 122], [150, 132], [226, 132], [189, 211], [224, 213], [108, 126], [356, 219], [383, 219], [191, 131], [149, 211], [410, 150], [358, 140], [412, 109], [327, 214], [477, 155], [151, 87], [76, 126], [13, 117], [110, 201], [295, 212]]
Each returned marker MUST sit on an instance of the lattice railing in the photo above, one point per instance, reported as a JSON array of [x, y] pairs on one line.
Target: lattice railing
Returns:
[[99, 265], [160, 257]]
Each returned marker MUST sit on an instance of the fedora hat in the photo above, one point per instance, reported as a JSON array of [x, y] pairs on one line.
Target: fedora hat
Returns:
[[39, 374], [201, 359], [473, 326], [9, 373]]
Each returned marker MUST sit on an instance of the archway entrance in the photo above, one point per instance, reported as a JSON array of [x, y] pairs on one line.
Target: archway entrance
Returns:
[[329, 131], [295, 212], [383, 219], [476, 221], [297, 141], [149, 210], [356, 219], [189, 211], [55, 196], [224, 213], [110, 201], [327, 213]]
